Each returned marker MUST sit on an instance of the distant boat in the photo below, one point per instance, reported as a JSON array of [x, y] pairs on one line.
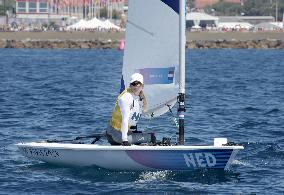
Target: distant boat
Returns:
[[155, 47]]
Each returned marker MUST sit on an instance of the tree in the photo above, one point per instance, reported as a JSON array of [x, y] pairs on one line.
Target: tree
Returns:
[[191, 3], [103, 12], [9, 5], [249, 8], [224, 9], [116, 14], [263, 8]]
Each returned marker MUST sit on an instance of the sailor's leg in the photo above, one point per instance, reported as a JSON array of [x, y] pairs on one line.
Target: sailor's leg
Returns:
[[113, 136]]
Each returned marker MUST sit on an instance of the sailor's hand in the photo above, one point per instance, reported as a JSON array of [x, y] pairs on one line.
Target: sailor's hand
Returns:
[[126, 143], [142, 96]]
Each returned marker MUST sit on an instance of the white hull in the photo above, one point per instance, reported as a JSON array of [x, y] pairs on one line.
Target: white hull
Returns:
[[132, 157]]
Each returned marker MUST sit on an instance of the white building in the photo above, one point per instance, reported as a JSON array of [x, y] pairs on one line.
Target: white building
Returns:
[[64, 9], [42, 9]]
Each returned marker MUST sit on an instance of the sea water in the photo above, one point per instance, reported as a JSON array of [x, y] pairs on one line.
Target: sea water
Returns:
[[233, 93]]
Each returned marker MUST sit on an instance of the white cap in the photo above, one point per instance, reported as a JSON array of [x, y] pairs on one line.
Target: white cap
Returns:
[[137, 77]]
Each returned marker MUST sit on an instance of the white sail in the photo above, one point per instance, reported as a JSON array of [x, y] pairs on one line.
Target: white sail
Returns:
[[152, 49]]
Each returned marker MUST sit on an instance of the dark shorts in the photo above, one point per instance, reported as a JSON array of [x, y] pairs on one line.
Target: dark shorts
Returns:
[[114, 137]]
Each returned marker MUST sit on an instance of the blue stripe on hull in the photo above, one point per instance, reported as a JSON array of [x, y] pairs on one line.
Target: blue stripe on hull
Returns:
[[181, 160], [174, 4]]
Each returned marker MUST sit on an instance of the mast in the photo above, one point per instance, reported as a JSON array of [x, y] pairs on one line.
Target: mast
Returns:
[[181, 97]]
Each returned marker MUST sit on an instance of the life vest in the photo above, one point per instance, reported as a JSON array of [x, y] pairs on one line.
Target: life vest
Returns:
[[116, 117]]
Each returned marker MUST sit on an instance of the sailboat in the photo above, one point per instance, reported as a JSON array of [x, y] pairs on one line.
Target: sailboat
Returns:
[[155, 47]]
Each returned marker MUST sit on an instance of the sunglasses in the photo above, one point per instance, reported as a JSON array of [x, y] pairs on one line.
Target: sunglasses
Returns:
[[136, 83]]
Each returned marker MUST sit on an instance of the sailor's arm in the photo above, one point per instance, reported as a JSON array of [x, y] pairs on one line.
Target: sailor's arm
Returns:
[[124, 105]]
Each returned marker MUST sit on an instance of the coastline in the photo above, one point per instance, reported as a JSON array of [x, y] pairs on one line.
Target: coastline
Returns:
[[108, 40]]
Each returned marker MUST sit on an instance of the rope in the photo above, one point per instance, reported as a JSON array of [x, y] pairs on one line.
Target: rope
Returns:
[[174, 119]]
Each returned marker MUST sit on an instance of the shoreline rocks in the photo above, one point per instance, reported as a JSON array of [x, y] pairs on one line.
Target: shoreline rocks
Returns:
[[237, 44], [110, 44], [59, 44]]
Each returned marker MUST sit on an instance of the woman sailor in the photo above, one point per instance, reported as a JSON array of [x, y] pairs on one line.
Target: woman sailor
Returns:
[[130, 105]]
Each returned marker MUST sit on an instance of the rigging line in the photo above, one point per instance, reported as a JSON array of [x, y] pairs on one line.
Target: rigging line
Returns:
[[152, 116], [173, 116], [140, 28]]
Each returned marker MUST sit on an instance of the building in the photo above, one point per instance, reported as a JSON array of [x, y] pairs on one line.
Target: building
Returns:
[[250, 19], [202, 20], [61, 10], [203, 3]]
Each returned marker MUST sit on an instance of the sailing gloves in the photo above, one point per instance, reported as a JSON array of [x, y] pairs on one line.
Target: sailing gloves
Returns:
[[126, 143]]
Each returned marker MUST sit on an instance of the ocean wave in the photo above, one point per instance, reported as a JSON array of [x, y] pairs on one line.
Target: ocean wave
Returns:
[[272, 111], [251, 109]]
